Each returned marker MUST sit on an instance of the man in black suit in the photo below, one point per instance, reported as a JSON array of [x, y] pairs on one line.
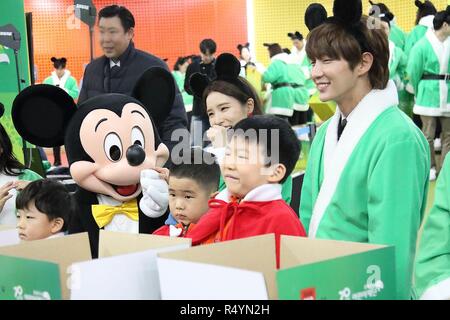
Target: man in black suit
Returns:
[[118, 70]]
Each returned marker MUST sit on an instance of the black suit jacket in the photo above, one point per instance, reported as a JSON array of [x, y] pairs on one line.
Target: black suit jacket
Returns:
[[99, 79]]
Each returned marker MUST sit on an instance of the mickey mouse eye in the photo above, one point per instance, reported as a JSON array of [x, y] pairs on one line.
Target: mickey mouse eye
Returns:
[[137, 137], [113, 147]]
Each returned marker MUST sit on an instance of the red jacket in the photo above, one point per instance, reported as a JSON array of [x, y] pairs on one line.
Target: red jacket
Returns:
[[234, 220]]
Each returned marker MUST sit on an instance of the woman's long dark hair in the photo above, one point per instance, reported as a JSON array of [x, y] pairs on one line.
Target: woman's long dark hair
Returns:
[[9, 165]]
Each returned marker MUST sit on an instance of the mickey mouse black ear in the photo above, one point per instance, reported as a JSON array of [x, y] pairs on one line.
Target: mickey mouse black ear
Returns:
[[41, 114], [348, 12], [2, 109], [290, 35], [227, 66], [155, 89], [198, 83], [315, 15]]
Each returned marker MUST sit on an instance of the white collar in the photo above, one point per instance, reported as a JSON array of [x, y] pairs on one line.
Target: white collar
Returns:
[[263, 193], [112, 63], [427, 21], [282, 57]]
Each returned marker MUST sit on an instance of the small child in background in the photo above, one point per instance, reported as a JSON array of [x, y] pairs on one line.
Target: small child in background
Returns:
[[260, 155], [44, 207], [191, 185]]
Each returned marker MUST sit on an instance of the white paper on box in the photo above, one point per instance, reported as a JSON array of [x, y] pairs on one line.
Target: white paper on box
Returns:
[[9, 237], [131, 276], [217, 282]]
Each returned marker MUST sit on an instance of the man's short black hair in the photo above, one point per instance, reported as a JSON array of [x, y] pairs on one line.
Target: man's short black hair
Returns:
[[287, 146], [49, 197], [125, 15], [208, 46], [205, 173]]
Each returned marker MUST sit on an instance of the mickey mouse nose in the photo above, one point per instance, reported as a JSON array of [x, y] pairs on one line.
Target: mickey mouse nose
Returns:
[[135, 155]]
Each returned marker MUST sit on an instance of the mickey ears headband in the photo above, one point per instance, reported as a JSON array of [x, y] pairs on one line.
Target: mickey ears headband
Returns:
[[242, 46], [227, 69], [63, 60], [295, 36], [347, 14], [315, 15]]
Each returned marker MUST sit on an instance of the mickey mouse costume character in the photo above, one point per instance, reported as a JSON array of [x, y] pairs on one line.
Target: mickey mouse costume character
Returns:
[[112, 147]]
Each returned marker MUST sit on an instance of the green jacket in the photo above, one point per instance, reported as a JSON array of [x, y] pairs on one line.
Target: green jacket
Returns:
[[432, 268], [418, 32], [397, 65], [397, 36], [282, 99], [430, 56], [187, 98], [67, 82], [358, 190]]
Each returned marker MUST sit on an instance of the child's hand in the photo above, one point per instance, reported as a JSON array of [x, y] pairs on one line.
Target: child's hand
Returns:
[[218, 136], [155, 193], [4, 193], [19, 185]]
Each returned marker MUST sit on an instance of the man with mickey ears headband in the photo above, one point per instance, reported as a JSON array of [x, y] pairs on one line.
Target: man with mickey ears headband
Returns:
[[113, 148], [356, 186]]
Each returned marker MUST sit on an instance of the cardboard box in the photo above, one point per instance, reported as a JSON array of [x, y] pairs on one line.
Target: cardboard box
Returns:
[[53, 256], [126, 268], [62, 267], [245, 269]]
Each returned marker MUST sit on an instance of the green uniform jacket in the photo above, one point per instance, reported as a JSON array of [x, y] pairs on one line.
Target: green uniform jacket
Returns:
[[418, 32], [359, 190], [397, 36], [432, 272], [282, 99], [67, 82], [187, 98], [298, 78], [397, 65], [430, 56]]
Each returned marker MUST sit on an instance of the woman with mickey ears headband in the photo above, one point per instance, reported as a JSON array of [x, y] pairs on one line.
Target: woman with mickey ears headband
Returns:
[[424, 21], [13, 177], [356, 186], [228, 99]]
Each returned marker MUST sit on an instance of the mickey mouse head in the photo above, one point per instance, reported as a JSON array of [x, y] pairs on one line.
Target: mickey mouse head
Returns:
[[109, 139]]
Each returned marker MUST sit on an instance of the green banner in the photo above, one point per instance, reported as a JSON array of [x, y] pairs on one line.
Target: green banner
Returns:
[[364, 276], [24, 279], [13, 12]]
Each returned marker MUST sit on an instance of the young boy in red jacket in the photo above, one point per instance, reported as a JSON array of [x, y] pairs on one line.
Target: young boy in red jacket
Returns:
[[192, 180], [260, 155]]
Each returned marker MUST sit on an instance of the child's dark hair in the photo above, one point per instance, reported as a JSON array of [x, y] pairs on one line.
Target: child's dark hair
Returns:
[[49, 197], [288, 143], [9, 165], [203, 172]]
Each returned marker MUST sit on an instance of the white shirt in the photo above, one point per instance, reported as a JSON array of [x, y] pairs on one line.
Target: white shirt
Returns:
[[112, 63], [120, 222]]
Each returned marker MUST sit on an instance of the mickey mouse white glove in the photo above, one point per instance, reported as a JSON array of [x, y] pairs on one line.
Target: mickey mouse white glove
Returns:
[[155, 194]]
